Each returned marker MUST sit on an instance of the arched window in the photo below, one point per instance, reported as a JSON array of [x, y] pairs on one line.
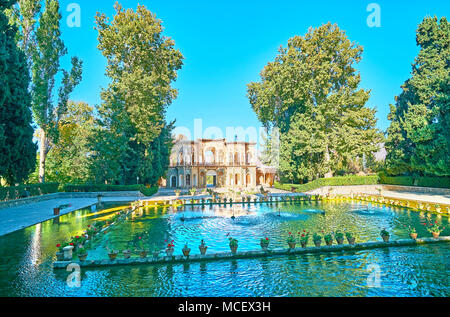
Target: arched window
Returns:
[[209, 157], [174, 182]]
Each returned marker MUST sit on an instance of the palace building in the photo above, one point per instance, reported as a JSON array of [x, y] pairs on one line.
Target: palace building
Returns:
[[216, 163]]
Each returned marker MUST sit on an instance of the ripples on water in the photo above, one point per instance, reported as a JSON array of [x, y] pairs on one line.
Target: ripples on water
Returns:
[[26, 255]]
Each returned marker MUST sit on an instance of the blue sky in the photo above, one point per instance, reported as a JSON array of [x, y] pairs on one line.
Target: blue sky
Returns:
[[227, 43]]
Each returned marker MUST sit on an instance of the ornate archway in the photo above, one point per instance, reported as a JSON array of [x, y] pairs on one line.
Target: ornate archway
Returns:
[[211, 178]]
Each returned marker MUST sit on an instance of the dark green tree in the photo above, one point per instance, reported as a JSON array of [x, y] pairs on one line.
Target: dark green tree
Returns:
[[418, 139], [17, 150]]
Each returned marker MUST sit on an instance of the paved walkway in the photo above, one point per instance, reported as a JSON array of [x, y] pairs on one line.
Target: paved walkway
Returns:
[[16, 218], [429, 198]]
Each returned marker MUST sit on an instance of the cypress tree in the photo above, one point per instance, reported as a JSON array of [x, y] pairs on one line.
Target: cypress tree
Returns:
[[419, 134], [17, 150]]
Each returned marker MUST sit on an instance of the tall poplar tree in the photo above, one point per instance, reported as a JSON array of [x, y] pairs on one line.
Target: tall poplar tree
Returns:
[[310, 92], [418, 139], [40, 38], [17, 150]]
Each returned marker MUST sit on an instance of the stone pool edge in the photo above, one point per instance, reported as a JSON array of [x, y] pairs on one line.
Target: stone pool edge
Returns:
[[248, 254]]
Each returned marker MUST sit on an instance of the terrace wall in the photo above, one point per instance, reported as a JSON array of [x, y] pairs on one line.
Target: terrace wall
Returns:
[[374, 190]]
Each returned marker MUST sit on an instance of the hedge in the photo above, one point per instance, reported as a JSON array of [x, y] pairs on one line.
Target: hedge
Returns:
[[437, 182], [23, 191], [70, 188], [335, 181]]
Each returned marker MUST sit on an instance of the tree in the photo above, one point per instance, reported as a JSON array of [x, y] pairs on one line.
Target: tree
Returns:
[[142, 64], [133, 140], [118, 158], [17, 150], [310, 92], [24, 16], [418, 138], [41, 41], [69, 159], [111, 148]]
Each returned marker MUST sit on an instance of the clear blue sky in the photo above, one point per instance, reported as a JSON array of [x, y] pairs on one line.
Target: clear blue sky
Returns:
[[227, 43]]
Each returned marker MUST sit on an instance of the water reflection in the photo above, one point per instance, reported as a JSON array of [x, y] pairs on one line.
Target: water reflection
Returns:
[[26, 255]]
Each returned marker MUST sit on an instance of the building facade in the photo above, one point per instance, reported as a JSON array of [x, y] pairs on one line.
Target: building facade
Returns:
[[213, 163]]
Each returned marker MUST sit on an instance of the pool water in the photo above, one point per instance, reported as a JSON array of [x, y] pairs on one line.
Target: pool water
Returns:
[[26, 255]]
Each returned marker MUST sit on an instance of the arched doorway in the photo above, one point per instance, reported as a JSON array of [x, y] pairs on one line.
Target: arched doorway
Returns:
[[173, 182], [211, 179], [188, 180]]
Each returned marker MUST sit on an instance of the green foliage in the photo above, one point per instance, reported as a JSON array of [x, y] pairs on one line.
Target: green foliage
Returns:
[[118, 159], [384, 233], [17, 150], [233, 242], [84, 188], [24, 15], [142, 64], [23, 191], [418, 139], [437, 182], [334, 181], [41, 41], [69, 159], [310, 92], [133, 141]]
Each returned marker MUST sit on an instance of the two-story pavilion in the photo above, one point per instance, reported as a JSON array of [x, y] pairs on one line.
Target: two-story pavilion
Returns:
[[214, 163]]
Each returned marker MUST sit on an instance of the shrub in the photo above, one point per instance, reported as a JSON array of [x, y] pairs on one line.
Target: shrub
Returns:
[[30, 190], [147, 191], [437, 182], [335, 181], [425, 181]]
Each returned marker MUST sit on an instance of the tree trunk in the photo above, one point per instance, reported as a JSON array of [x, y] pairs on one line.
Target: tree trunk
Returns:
[[329, 174], [42, 156]]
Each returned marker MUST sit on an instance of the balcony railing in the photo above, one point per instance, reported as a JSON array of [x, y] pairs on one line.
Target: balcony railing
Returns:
[[213, 164]]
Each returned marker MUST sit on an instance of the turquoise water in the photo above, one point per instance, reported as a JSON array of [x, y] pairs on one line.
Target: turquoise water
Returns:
[[26, 255]]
